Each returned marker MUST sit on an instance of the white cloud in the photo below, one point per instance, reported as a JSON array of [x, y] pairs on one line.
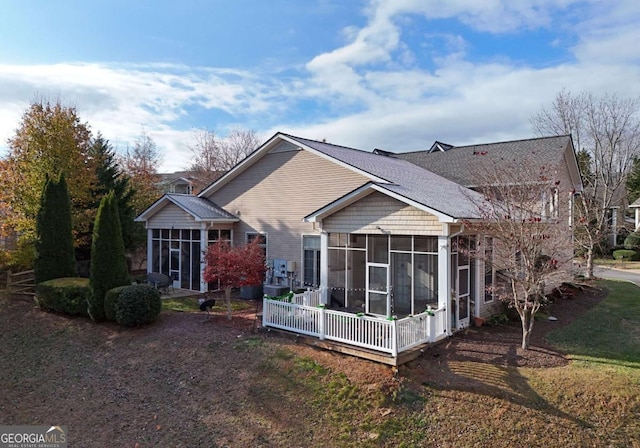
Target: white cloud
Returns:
[[120, 100], [378, 93], [459, 101]]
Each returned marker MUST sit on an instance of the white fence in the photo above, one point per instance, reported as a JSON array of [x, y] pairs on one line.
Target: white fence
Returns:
[[385, 335]]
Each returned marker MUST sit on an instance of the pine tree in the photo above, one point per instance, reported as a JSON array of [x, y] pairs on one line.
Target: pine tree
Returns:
[[633, 181], [110, 176], [55, 256], [108, 263]]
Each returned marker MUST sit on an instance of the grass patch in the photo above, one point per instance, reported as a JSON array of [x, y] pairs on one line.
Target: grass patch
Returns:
[[609, 333], [190, 304], [185, 304], [248, 344], [619, 264]]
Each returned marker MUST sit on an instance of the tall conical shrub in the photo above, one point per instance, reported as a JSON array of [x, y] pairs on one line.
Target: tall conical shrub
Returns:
[[108, 263], [55, 256]]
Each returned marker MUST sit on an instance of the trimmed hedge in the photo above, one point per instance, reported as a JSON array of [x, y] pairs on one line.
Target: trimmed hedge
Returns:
[[632, 241], [67, 295], [138, 305], [110, 300], [625, 254]]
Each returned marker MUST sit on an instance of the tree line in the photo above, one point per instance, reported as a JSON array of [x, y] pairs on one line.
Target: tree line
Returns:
[[52, 140]]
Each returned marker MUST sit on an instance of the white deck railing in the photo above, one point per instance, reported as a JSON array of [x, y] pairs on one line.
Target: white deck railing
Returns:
[[375, 333], [308, 298]]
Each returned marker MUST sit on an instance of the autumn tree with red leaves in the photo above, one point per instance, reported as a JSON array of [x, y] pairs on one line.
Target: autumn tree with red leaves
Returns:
[[234, 266]]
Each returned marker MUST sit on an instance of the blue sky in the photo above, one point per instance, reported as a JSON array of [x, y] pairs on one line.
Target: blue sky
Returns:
[[391, 74]]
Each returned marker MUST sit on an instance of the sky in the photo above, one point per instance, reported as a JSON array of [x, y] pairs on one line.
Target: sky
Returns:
[[389, 74]]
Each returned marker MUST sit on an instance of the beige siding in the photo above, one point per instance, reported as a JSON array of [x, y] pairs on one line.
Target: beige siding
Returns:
[[489, 309], [172, 216], [565, 194], [378, 212], [276, 193]]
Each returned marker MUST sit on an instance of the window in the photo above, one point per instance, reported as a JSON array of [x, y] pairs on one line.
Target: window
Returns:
[[311, 260], [262, 238], [219, 235], [550, 203]]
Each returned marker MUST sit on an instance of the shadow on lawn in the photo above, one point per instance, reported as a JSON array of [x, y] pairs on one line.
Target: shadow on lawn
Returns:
[[493, 379]]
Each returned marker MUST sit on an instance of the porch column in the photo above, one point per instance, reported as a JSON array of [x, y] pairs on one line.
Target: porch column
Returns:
[[203, 246], [444, 279], [324, 268], [149, 250]]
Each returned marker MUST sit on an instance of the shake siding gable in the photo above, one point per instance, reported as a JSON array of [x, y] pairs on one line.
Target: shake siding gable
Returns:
[[378, 211], [172, 216], [284, 147], [274, 194]]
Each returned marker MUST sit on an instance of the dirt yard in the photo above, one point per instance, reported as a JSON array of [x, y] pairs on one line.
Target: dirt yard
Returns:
[[193, 381]]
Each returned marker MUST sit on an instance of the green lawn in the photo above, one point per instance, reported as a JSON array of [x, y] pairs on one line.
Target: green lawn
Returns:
[[608, 334]]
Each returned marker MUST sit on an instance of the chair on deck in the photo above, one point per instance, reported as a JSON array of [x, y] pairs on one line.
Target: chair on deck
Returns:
[[160, 281]]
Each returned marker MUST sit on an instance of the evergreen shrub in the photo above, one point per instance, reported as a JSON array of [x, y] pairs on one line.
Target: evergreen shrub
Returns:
[[632, 241], [626, 254], [110, 300], [67, 295], [108, 261], [138, 305]]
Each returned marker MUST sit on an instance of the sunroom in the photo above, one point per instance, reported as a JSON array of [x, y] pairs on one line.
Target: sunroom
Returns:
[[391, 277]]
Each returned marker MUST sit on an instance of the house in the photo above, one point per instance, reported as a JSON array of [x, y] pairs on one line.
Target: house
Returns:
[[372, 235], [181, 182]]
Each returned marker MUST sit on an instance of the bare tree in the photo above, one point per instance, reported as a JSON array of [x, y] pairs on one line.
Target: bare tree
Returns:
[[606, 134], [206, 165], [141, 163], [238, 145], [213, 156], [527, 239]]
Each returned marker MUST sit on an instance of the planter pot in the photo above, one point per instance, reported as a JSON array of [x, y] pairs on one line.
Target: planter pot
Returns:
[[478, 321]]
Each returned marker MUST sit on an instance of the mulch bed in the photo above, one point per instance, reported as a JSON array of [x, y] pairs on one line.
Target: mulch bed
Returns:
[[501, 345]]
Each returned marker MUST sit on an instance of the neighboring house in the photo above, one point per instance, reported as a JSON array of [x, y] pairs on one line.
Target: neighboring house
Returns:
[[636, 210], [181, 182], [374, 234]]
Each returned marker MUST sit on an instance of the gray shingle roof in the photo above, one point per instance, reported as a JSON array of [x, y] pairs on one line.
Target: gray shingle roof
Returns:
[[460, 163], [406, 179], [200, 208]]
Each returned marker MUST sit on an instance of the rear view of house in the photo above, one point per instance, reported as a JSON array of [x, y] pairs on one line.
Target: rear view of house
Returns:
[[376, 234]]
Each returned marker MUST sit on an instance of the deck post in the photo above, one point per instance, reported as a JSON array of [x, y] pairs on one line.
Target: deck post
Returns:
[[264, 311], [306, 300], [321, 320], [444, 279], [394, 338]]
